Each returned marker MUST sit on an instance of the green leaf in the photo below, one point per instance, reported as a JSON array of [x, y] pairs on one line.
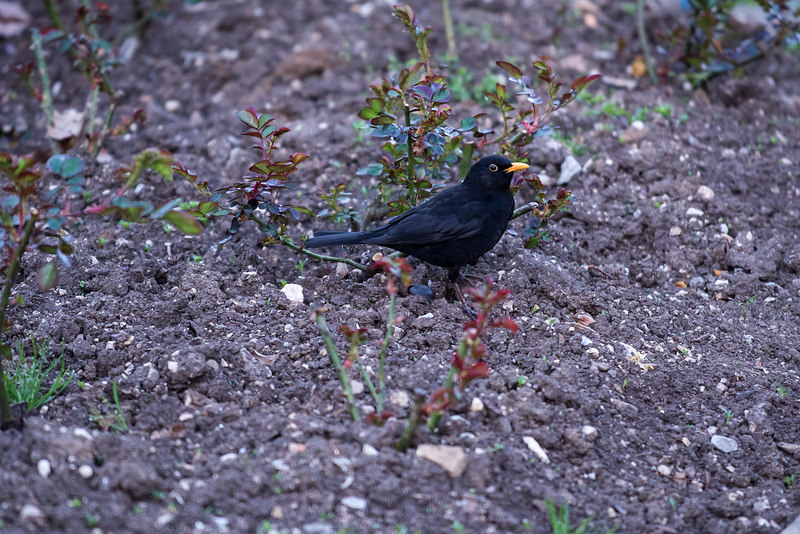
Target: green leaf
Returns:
[[163, 210], [510, 68], [183, 222], [382, 120], [206, 207], [248, 117], [373, 169], [367, 114], [47, 276], [54, 163], [71, 166], [467, 124]]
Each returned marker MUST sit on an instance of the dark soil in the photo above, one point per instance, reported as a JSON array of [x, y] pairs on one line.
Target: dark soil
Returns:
[[683, 247]]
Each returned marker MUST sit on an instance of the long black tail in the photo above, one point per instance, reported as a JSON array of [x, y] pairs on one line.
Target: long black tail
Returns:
[[327, 239]]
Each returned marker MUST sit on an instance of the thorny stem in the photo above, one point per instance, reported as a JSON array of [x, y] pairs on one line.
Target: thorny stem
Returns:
[[338, 366], [11, 275], [640, 26]]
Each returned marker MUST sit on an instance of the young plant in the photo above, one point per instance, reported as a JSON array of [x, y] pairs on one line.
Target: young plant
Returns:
[[111, 416], [396, 269], [94, 57], [25, 378], [469, 358], [710, 45], [257, 197], [34, 217], [412, 112], [559, 520]]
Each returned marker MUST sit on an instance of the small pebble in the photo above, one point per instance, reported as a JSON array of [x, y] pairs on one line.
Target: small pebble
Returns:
[[86, 471], [477, 405], [355, 503], [44, 467], [694, 212], [724, 444], [705, 192]]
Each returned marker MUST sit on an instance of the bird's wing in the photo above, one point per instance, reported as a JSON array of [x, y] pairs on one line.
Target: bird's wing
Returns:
[[440, 219]]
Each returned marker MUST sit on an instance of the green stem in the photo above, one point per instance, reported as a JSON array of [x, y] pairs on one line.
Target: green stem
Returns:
[[412, 171], [92, 112], [414, 419], [448, 29], [287, 241], [433, 420], [368, 382], [382, 357], [47, 96], [11, 275], [527, 208], [336, 361], [53, 14], [640, 26]]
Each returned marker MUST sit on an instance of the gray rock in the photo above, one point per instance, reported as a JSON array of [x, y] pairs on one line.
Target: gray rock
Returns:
[[569, 168], [724, 444]]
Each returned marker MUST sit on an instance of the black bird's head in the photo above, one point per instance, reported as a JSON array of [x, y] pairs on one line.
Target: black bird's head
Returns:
[[493, 173]]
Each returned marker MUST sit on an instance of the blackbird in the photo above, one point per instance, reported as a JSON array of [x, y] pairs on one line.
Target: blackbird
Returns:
[[452, 229]]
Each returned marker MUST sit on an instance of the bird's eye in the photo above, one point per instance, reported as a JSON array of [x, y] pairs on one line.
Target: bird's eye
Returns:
[[493, 167]]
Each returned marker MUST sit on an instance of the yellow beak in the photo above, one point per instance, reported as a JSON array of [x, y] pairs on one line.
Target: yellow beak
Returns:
[[517, 166]]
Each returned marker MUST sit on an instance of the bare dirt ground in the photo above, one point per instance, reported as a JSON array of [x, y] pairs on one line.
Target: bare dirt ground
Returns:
[[682, 245]]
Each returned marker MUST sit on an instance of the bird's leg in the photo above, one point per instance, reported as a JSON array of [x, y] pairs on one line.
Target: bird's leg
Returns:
[[470, 311], [454, 273]]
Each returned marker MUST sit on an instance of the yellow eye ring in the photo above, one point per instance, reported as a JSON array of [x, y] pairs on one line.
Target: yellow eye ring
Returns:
[[493, 167]]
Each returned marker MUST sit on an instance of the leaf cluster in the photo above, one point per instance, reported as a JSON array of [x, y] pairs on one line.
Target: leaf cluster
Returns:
[[257, 192]]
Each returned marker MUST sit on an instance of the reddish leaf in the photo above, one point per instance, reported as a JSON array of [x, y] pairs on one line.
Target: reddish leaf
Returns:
[[510, 68]]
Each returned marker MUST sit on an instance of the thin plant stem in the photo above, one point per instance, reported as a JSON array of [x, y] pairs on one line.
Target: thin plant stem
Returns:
[[527, 208], [435, 417], [640, 26], [448, 28], [412, 171], [287, 241], [368, 381], [414, 419], [53, 14], [382, 357], [47, 96], [11, 275], [333, 354]]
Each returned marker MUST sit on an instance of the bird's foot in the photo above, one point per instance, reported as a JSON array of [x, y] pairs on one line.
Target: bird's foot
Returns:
[[469, 309]]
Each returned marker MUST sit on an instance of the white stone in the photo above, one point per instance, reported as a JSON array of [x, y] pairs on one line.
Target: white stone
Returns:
[[357, 387], [369, 450], [724, 444], [355, 503], [537, 449], [44, 467], [476, 405], [694, 212], [31, 513], [705, 192], [294, 292], [675, 231], [569, 168], [452, 459], [86, 471]]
